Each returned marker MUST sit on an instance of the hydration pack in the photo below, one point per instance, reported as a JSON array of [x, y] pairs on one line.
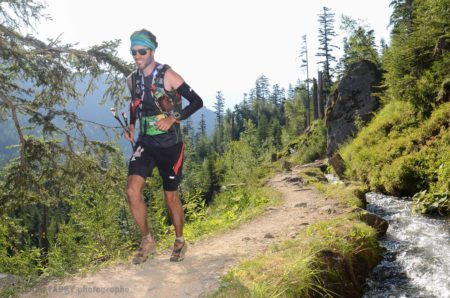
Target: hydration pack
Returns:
[[168, 102]]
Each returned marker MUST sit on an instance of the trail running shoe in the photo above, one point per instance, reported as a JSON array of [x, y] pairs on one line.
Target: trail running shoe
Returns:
[[178, 251], [147, 248]]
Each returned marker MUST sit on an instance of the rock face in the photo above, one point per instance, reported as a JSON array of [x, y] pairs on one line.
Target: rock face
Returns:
[[352, 100]]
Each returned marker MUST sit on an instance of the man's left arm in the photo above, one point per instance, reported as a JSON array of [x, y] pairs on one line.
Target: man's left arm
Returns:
[[174, 81]]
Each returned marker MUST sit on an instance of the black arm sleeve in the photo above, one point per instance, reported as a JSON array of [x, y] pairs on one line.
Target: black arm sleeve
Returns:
[[195, 102]]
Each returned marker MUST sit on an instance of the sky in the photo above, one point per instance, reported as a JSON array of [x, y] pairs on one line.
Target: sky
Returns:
[[214, 45]]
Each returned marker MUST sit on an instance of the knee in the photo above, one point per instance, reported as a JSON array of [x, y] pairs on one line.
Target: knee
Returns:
[[133, 194], [172, 198]]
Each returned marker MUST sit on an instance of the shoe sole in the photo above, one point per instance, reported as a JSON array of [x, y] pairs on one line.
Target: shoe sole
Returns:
[[182, 253], [143, 259]]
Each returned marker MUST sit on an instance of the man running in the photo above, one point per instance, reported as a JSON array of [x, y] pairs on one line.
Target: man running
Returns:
[[156, 92]]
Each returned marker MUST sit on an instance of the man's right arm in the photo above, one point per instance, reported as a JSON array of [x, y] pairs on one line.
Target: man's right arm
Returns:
[[133, 110]]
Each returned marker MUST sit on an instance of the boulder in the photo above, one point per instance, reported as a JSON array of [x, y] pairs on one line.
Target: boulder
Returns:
[[338, 165], [379, 224], [352, 101]]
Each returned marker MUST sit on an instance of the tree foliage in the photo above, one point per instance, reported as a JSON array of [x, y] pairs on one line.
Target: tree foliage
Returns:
[[63, 196], [49, 208], [326, 34], [359, 45], [418, 60]]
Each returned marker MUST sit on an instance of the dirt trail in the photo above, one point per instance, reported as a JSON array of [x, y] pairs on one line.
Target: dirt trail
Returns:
[[209, 258]]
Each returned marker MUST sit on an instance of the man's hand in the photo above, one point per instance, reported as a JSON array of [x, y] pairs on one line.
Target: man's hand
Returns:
[[166, 123], [129, 135]]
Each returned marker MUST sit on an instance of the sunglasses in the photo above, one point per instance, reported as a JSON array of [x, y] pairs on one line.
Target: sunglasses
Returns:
[[141, 52]]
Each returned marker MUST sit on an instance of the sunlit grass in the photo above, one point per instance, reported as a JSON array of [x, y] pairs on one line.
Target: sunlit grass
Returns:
[[316, 262], [401, 153], [229, 210], [300, 268]]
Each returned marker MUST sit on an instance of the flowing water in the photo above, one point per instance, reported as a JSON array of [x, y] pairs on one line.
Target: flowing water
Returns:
[[416, 262]]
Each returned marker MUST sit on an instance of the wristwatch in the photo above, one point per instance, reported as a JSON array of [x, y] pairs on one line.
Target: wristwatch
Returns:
[[177, 116]]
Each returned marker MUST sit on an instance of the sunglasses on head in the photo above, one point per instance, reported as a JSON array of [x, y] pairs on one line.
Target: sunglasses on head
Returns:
[[141, 52]]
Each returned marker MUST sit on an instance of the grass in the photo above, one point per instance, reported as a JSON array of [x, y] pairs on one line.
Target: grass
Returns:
[[328, 259], [315, 264], [229, 209], [402, 154], [309, 146]]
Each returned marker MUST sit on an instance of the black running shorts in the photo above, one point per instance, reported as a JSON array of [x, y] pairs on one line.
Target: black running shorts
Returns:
[[169, 162]]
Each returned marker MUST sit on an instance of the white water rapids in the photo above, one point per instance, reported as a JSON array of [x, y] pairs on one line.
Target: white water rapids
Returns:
[[416, 262]]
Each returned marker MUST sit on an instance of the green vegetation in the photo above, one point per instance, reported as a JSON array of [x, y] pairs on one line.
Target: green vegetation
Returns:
[[405, 150], [401, 153], [329, 258], [311, 145], [418, 61], [63, 202]]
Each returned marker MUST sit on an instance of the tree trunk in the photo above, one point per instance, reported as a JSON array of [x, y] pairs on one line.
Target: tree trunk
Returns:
[[320, 95], [315, 100]]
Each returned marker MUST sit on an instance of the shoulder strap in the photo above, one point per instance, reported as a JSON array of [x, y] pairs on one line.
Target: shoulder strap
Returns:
[[158, 78], [134, 83]]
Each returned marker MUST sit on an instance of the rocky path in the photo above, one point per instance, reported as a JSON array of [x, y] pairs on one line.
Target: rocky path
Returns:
[[209, 258]]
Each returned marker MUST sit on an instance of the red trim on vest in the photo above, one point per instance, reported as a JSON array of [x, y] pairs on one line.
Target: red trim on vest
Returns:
[[177, 166]]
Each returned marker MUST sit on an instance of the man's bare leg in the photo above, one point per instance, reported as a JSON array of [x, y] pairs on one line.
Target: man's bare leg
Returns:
[[176, 213], [138, 208]]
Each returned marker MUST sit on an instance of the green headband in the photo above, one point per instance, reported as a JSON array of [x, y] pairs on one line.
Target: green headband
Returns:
[[142, 39]]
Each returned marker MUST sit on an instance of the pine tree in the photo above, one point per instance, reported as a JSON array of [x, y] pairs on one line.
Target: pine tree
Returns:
[[202, 126], [228, 127], [37, 83], [218, 110], [304, 65], [418, 60], [277, 96], [343, 63], [262, 88], [360, 44], [326, 34], [402, 16], [188, 130]]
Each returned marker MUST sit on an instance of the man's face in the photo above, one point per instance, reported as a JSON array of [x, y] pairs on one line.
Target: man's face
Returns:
[[142, 56]]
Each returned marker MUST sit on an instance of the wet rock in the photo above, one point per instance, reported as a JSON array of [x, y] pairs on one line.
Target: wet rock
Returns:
[[376, 222]]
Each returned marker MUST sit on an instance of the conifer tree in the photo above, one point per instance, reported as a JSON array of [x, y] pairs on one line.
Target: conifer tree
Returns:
[[219, 106], [402, 16], [418, 59], [202, 126], [57, 163], [305, 67], [359, 45], [262, 88], [326, 34]]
